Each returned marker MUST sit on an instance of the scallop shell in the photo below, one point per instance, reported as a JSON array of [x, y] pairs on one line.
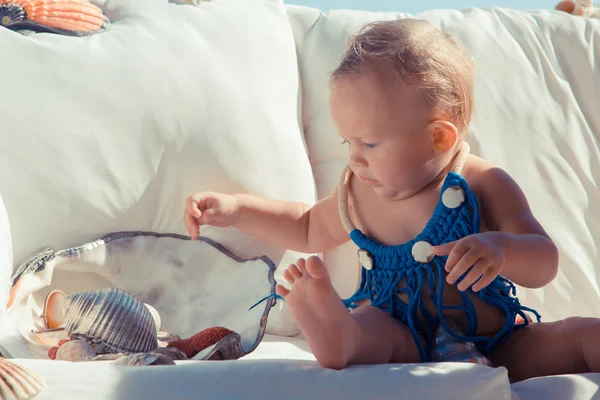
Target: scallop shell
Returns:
[[112, 320], [70, 17], [18, 383]]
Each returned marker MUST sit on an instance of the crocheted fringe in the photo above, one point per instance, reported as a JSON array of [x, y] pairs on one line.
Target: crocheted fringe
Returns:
[[382, 289], [499, 294]]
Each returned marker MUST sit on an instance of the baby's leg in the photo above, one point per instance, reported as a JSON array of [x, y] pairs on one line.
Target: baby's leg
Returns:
[[336, 337], [563, 347]]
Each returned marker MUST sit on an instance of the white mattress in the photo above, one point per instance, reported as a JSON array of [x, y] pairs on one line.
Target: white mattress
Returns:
[[281, 368], [284, 368]]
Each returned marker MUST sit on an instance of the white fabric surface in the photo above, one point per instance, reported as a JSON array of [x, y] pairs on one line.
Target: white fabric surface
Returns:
[[6, 259], [572, 387], [111, 132], [537, 98], [296, 377]]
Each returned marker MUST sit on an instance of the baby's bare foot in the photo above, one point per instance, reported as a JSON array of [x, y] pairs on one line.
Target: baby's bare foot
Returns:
[[322, 317]]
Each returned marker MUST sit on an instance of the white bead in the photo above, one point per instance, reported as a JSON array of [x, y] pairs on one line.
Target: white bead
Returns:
[[422, 252], [453, 197], [365, 259]]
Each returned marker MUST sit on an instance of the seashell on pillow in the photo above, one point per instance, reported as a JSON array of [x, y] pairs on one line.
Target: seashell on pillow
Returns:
[[66, 17]]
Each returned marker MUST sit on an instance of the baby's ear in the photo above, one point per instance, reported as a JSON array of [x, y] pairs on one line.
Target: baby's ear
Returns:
[[443, 135]]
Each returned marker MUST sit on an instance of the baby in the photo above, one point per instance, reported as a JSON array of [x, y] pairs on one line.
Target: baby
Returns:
[[442, 234]]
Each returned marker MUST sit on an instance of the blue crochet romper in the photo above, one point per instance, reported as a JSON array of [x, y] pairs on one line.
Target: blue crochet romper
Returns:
[[404, 269]]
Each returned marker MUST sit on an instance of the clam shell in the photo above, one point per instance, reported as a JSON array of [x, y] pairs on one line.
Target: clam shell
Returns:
[[141, 359], [75, 350], [112, 320], [172, 352], [73, 17], [18, 383], [108, 357], [228, 348]]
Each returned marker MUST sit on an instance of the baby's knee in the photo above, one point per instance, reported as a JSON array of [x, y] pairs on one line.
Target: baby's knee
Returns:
[[331, 360], [336, 356]]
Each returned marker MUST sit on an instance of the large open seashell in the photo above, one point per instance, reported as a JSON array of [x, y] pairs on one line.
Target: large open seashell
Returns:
[[118, 260], [18, 383], [70, 17]]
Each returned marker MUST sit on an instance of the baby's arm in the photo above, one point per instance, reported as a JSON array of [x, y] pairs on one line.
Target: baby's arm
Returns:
[[531, 256], [291, 225]]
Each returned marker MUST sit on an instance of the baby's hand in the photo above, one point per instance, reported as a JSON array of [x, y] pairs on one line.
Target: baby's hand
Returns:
[[481, 254], [209, 208]]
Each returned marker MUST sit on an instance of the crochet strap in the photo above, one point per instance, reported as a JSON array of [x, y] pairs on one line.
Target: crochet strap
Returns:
[[457, 166]]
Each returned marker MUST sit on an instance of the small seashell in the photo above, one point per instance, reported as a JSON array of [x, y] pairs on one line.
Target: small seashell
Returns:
[[18, 383], [228, 348], [172, 352], [422, 252], [365, 259], [71, 17], [453, 197], [75, 350], [108, 357], [141, 359], [53, 315], [167, 337]]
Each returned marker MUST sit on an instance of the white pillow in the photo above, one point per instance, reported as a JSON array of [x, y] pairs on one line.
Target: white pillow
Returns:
[[536, 103], [117, 9], [6, 259], [111, 132]]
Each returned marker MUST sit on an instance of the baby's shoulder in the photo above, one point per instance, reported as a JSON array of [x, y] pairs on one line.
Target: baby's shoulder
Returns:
[[486, 179]]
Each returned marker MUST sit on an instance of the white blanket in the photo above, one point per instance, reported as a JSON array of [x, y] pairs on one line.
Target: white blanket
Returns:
[[281, 368], [284, 368]]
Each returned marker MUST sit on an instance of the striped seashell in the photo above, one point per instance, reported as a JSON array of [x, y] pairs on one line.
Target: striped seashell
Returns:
[[70, 17], [110, 319], [18, 383]]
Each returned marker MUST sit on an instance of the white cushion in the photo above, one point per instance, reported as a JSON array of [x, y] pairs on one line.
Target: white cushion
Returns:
[[6, 258], [536, 103], [280, 368], [111, 132]]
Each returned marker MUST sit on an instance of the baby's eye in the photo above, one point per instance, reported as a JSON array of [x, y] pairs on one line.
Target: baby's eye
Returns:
[[369, 145], [344, 141]]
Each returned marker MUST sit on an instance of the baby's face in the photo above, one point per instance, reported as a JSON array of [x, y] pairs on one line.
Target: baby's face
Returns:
[[385, 129]]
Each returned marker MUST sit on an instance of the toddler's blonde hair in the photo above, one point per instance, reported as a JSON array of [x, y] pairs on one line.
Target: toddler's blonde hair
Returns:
[[422, 57]]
